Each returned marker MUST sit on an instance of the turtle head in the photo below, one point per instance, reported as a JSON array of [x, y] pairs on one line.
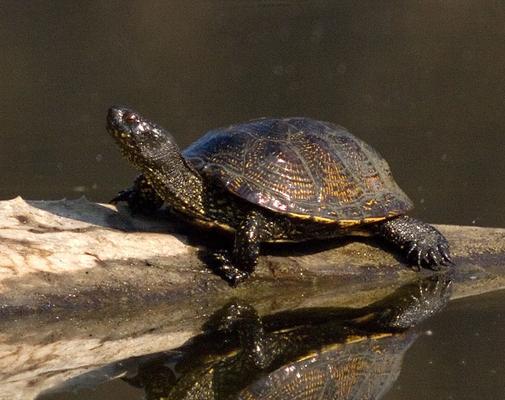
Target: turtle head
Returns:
[[143, 142], [154, 152]]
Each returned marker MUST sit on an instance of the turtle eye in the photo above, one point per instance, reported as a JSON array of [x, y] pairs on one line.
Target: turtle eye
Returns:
[[130, 117]]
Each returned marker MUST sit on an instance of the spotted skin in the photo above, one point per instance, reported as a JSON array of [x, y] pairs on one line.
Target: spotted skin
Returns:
[[421, 244], [246, 249], [272, 180], [141, 197]]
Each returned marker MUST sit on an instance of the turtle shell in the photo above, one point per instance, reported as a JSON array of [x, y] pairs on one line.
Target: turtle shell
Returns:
[[301, 167], [363, 369]]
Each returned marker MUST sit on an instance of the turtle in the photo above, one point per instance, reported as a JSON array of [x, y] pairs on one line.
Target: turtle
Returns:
[[273, 180]]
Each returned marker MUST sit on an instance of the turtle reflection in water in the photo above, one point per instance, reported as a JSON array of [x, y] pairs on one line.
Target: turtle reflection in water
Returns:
[[325, 353]]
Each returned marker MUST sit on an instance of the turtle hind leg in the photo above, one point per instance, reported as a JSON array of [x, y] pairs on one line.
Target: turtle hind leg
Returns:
[[141, 197], [237, 266], [421, 243]]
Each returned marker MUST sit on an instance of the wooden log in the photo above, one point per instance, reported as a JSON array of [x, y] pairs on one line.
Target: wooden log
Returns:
[[83, 284]]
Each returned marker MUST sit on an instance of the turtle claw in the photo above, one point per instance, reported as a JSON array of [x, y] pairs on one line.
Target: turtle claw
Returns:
[[434, 260], [422, 244], [434, 257], [415, 267], [131, 197], [412, 247], [420, 259], [424, 255], [446, 255], [123, 195], [141, 197]]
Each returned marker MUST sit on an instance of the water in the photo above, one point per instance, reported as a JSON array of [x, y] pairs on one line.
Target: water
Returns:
[[434, 365], [420, 81], [462, 359]]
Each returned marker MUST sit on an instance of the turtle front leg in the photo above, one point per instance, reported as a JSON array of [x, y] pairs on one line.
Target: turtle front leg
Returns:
[[239, 316], [422, 244], [241, 263], [141, 197]]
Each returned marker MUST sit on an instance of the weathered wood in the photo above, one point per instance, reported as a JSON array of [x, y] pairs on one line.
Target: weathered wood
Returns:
[[82, 284]]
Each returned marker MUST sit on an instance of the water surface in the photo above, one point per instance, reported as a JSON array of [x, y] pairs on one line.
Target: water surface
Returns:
[[447, 357], [420, 81]]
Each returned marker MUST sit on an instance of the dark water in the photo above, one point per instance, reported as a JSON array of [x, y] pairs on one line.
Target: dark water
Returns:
[[420, 81], [464, 356]]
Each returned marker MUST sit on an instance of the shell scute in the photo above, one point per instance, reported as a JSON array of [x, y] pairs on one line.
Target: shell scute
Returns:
[[302, 167]]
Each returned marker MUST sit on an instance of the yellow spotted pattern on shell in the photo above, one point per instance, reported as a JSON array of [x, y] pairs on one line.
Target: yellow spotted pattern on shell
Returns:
[[301, 167]]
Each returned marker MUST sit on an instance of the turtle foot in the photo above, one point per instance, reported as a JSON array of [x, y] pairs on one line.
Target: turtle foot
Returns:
[[422, 244], [431, 255], [221, 265], [141, 198]]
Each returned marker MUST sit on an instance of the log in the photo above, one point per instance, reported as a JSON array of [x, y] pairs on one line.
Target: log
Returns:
[[73, 254], [84, 284]]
